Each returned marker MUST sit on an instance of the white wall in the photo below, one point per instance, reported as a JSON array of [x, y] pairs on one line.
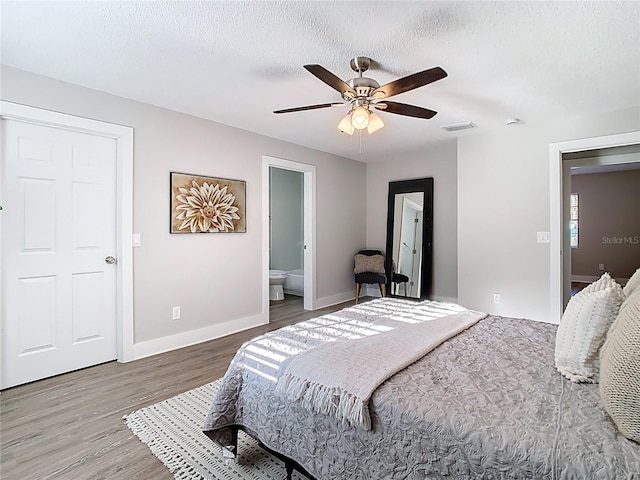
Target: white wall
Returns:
[[491, 212], [439, 162], [503, 200], [215, 278]]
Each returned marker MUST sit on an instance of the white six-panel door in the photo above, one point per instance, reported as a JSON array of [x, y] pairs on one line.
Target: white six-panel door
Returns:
[[59, 227]]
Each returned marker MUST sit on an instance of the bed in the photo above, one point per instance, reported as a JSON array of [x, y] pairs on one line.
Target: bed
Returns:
[[486, 403]]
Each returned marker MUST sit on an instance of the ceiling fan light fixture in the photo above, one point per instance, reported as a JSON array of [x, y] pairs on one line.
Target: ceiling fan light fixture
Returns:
[[362, 95], [345, 125], [375, 123], [360, 118]]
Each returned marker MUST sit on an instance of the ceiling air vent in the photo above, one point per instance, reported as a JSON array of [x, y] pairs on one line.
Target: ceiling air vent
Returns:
[[454, 127]]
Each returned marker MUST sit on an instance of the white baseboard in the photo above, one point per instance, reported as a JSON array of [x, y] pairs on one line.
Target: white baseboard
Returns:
[[334, 299], [192, 337], [371, 290], [445, 299], [367, 291], [583, 278], [374, 291], [590, 279]]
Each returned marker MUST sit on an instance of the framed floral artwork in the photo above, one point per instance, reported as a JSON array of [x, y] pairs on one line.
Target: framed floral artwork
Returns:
[[202, 204]]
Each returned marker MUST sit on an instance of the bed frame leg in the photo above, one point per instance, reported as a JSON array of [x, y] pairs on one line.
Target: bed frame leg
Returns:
[[230, 452], [289, 468]]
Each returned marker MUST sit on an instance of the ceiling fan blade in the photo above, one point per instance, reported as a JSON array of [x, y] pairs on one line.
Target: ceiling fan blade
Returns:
[[330, 79], [410, 82], [404, 109], [308, 107]]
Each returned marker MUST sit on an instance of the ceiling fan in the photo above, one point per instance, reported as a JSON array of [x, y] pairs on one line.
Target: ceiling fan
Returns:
[[364, 95]]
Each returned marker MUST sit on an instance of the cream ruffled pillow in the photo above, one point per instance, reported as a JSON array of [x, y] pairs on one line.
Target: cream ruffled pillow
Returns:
[[369, 263], [603, 282], [620, 370], [584, 327]]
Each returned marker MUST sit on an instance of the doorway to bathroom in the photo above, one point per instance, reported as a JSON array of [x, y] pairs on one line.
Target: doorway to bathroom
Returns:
[[288, 233]]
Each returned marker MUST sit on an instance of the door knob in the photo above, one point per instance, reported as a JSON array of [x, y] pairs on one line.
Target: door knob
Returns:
[[110, 260]]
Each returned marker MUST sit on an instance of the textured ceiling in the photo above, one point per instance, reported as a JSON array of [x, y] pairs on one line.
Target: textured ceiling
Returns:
[[236, 62]]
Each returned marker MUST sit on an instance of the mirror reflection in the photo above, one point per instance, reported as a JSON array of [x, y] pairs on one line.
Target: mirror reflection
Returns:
[[407, 244], [409, 236]]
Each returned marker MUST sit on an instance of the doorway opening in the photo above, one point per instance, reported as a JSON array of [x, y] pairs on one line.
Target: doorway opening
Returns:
[[559, 153], [286, 234], [600, 189], [298, 235]]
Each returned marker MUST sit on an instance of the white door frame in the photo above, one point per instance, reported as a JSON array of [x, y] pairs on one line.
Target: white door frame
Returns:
[[309, 172], [556, 226], [124, 209]]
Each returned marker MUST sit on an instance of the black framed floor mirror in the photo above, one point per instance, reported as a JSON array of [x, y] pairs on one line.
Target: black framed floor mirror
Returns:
[[409, 254]]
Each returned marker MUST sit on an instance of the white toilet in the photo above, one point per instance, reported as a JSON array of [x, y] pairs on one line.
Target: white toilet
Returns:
[[276, 281]]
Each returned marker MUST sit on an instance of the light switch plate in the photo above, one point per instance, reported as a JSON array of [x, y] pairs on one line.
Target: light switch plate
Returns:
[[136, 240]]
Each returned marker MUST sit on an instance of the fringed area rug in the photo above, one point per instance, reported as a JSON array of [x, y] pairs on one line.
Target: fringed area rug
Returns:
[[172, 430]]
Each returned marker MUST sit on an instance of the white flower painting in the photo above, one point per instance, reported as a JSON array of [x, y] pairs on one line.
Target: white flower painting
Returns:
[[206, 204]]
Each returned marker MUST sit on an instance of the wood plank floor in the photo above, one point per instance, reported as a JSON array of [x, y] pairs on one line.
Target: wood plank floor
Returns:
[[71, 426], [577, 286]]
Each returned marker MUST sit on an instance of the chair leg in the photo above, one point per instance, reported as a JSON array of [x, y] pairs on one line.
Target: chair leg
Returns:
[[358, 285], [405, 289], [383, 289]]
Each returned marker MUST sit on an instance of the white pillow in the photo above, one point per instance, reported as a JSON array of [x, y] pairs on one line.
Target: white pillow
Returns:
[[633, 283], [620, 370], [603, 282], [583, 330], [634, 296]]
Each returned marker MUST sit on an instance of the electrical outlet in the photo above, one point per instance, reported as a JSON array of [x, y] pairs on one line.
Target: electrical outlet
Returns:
[[176, 313], [543, 237], [496, 298], [601, 266]]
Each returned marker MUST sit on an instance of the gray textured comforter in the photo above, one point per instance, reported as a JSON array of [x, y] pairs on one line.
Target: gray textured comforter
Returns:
[[487, 403]]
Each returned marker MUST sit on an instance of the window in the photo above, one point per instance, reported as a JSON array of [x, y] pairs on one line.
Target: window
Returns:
[[573, 220]]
